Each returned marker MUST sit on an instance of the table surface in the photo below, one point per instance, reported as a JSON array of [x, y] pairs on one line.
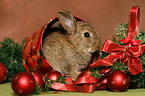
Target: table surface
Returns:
[[6, 90]]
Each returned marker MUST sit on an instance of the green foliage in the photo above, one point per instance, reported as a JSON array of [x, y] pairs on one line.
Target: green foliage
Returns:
[[48, 84], [122, 31], [37, 89], [96, 72], [119, 66], [11, 56], [137, 81], [103, 54]]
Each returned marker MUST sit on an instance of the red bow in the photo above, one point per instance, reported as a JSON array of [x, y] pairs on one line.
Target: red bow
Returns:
[[130, 52]]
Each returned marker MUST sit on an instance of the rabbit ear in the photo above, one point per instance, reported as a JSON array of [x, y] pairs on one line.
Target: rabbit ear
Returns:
[[67, 20]]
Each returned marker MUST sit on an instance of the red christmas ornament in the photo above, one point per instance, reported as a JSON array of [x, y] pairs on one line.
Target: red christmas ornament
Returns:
[[118, 81], [53, 75], [23, 83], [3, 72], [39, 77]]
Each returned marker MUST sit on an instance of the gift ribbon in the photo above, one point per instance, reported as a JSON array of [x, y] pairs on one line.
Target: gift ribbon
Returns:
[[85, 84], [130, 52]]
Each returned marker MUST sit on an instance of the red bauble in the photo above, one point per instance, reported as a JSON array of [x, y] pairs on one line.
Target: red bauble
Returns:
[[53, 75], [39, 77], [3, 72], [23, 83], [118, 81]]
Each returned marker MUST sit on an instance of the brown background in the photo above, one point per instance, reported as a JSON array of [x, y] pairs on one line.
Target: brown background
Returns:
[[21, 18]]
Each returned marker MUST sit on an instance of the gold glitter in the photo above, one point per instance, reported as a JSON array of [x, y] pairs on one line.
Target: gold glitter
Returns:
[[124, 81], [21, 91], [16, 78], [30, 81], [113, 82]]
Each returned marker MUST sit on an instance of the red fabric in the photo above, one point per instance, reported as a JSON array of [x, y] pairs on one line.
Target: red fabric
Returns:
[[84, 84]]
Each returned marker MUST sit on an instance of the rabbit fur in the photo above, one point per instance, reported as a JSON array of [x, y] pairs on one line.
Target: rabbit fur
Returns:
[[69, 49]]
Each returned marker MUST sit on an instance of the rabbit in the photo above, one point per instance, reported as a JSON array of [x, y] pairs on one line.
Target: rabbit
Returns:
[[69, 50]]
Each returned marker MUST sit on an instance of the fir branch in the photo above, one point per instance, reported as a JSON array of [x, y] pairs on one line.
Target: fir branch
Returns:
[[61, 79], [119, 66], [37, 89], [96, 72], [122, 31], [137, 81], [141, 36], [11, 56], [48, 84]]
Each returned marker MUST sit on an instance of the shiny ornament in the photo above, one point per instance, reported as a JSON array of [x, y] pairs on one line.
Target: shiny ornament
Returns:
[[39, 77], [3, 72], [23, 83], [53, 75], [118, 80]]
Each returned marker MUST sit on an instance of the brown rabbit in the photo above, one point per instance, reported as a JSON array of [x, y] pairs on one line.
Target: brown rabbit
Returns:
[[70, 51]]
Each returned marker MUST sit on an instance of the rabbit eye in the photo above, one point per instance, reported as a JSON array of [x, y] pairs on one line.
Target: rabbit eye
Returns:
[[87, 34]]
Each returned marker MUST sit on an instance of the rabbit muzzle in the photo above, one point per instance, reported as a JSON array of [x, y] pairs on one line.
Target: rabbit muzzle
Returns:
[[94, 47]]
